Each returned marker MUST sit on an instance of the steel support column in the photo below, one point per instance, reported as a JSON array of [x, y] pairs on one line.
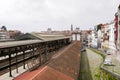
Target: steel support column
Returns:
[[40, 58], [16, 63], [33, 54], [46, 50], [10, 70], [23, 59]]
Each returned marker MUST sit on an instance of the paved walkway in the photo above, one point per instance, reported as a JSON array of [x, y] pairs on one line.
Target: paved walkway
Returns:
[[95, 61], [6, 76]]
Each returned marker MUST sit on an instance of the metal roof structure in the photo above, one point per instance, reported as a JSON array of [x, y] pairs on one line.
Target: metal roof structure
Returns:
[[41, 36], [17, 43], [5, 40], [25, 50], [31, 38]]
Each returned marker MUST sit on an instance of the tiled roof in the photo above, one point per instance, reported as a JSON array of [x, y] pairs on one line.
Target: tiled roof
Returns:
[[68, 61], [51, 74], [63, 66]]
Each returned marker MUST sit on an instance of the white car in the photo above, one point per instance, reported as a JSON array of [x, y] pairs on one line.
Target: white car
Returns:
[[108, 52], [108, 61]]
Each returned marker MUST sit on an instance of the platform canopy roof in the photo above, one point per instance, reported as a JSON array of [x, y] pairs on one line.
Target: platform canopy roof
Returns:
[[17, 43], [41, 36]]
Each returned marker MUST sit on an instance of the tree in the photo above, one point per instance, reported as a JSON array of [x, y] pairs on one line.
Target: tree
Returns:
[[4, 28]]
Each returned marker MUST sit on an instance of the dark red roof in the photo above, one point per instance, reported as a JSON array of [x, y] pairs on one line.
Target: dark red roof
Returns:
[[51, 74], [64, 66]]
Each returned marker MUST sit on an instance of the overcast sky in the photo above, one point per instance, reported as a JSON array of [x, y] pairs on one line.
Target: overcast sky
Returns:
[[38, 15]]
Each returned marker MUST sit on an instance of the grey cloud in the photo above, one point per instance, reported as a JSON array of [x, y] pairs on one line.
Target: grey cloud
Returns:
[[35, 15]]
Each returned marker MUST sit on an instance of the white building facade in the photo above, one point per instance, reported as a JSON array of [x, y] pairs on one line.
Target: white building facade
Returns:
[[118, 13], [4, 33]]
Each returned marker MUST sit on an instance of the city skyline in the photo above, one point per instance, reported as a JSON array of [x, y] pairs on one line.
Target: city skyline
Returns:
[[39, 15]]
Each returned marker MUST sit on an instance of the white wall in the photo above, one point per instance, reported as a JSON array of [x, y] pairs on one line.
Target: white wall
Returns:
[[74, 37], [78, 37]]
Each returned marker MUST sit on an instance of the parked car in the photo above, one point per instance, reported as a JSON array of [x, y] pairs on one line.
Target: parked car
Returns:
[[83, 49], [108, 61], [108, 52]]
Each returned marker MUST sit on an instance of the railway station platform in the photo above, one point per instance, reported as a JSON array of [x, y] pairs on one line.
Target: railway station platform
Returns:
[[6, 75]]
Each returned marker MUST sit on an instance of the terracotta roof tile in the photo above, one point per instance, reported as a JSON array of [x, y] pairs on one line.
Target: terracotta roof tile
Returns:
[[51, 74], [63, 67]]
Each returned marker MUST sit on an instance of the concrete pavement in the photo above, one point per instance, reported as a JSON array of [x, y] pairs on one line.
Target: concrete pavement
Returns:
[[14, 73]]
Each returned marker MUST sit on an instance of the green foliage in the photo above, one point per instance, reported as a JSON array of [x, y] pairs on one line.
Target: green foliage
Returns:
[[99, 26], [107, 76], [102, 74], [97, 76]]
